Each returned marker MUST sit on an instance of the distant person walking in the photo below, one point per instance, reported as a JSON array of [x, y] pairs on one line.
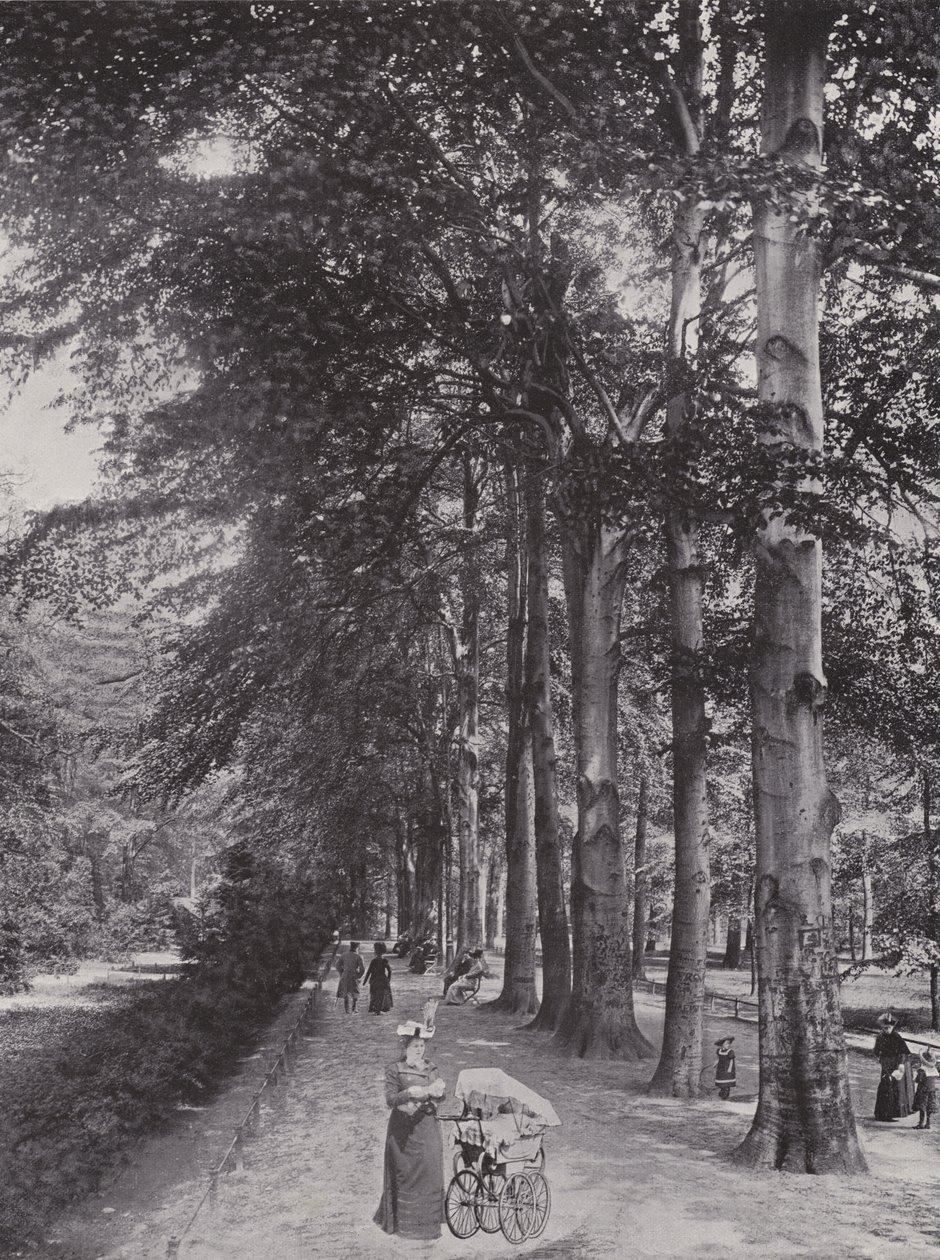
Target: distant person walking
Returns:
[[350, 967], [725, 1078], [379, 979], [926, 1085]]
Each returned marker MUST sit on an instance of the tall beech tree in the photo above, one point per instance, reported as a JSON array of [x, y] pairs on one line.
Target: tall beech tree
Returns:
[[804, 1116], [680, 1064]]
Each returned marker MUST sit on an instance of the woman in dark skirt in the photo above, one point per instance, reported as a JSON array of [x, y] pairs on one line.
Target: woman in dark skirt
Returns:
[[895, 1095], [412, 1202], [379, 979]]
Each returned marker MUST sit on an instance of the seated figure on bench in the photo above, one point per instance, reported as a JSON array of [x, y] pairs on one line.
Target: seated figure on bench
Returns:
[[464, 988]]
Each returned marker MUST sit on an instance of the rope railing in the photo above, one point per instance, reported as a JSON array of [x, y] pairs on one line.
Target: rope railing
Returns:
[[712, 999], [234, 1158], [738, 1003]]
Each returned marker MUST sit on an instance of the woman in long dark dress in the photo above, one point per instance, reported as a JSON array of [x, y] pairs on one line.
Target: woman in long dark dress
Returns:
[[412, 1203], [379, 979], [895, 1088]]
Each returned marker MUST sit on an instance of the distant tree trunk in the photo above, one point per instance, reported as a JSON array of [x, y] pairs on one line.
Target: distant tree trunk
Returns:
[[732, 958], [493, 880], [97, 885], [553, 915], [933, 866], [518, 996], [804, 1120], [640, 877], [868, 915], [679, 1070], [599, 1020], [405, 875], [852, 928], [427, 836], [466, 647]]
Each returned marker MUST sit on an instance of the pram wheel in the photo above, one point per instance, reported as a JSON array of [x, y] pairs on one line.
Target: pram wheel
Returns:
[[542, 1204], [460, 1204], [516, 1208], [488, 1203]]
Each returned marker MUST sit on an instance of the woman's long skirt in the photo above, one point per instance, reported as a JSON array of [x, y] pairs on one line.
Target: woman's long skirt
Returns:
[[380, 998], [412, 1203]]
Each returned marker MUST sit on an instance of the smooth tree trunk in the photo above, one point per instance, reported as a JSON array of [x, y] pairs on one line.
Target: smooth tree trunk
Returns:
[[868, 915], [804, 1119], [679, 1070], [598, 1021], [640, 877], [518, 995], [680, 1065], [933, 867], [493, 886], [552, 911], [466, 648], [732, 958]]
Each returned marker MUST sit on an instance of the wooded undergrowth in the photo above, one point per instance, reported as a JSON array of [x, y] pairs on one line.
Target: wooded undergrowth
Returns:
[[79, 1086]]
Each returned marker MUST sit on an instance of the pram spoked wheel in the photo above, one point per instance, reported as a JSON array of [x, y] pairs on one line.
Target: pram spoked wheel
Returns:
[[543, 1201], [517, 1207], [460, 1203], [488, 1203]]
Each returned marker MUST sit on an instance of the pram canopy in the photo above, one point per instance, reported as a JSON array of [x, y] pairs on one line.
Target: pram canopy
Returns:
[[491, 1091]]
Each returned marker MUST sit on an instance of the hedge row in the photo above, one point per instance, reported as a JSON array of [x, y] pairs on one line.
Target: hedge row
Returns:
[[68, 1115]]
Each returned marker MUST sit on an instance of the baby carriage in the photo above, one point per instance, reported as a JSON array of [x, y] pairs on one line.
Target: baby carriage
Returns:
[[498, 1181]]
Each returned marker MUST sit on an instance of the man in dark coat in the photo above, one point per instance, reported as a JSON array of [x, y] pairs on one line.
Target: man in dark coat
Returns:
[[350, 967]]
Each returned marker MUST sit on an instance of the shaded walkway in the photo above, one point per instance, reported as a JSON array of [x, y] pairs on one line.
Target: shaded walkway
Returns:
[[630, 1176]]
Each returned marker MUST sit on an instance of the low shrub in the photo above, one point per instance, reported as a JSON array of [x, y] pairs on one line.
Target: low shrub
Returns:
[[70, 1109]]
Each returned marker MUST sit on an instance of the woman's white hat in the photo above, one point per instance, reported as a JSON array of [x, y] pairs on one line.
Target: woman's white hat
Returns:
[[411, 1028]]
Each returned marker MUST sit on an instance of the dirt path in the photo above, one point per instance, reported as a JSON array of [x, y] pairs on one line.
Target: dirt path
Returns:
[[629, 1176]]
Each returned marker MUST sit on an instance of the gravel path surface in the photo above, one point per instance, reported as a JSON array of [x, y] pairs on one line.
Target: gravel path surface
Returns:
[[630, 1176]]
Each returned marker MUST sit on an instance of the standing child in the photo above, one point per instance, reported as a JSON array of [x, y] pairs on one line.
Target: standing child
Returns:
[[927, 1083], [724, 1067]]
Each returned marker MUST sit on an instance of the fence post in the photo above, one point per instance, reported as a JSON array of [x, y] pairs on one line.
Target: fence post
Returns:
[[736, 1008]]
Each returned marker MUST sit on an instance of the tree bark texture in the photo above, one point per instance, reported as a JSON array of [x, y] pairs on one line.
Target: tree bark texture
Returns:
[[518, 995], [868, 914], [732, 958], [598, 1021], [467, 661], [493, 882], [553, 914], [680, 1064], [804, 1118], [640, 877]]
